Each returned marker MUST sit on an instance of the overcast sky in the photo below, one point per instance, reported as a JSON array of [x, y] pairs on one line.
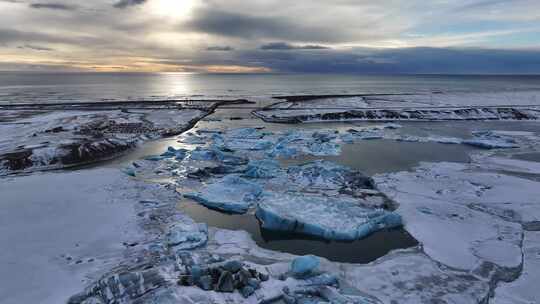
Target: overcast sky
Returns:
[[334, 36]]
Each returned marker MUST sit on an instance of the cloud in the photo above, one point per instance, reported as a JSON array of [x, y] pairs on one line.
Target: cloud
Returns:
[[127, 3], [232, 24], [53, 6], [220, 48], [284, 46], [35, 47], [401, 61]]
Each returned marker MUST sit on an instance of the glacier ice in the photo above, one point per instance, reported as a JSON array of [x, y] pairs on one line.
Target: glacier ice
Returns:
[[316, 215], [325, 175], [231, 194], [186, 236], [264, 168], [304, 266], [491, 140]]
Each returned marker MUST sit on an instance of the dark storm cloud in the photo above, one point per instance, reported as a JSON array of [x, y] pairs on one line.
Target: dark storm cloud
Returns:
[[127, 3], [284, 46], [404, 61], [53, 6], [218, 48], [231, 24]]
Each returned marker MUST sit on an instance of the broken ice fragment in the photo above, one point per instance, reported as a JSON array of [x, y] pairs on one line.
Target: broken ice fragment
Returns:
[[316, 215], [262, 169], [304, 266], [183, 236], [230, 194]]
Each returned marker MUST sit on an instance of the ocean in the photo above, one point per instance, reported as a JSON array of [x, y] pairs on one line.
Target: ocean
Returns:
[[25, 87]]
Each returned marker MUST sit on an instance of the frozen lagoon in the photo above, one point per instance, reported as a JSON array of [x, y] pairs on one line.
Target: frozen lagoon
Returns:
[[468, 273]]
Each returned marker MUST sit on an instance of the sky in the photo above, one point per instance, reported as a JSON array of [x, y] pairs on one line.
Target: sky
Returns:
[[260, 36]]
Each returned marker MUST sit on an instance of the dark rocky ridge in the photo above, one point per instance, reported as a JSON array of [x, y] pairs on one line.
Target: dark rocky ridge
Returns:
[[91, 132]]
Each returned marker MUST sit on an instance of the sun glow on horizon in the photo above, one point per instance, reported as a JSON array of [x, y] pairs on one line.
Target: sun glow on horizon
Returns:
[[177, 9]]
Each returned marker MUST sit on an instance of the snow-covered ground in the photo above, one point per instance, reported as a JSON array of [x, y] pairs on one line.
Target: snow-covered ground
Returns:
[[407, 107], [60, 231], [40, 140]]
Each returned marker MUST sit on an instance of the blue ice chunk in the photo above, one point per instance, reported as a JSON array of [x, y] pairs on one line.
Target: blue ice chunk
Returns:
[[202, 154], [196, 272], [231, 194], [230, 159], [324, 136], [262, 145], [304, 266], [180, 154], [325, 279], [244, 133], [171, 152], [129, 171], [282, 150], [347, 138], [154, 158], [213, 154], [323, 149], [486, 143], [316, 215], [184, 236], [265, 168], [491, 140]]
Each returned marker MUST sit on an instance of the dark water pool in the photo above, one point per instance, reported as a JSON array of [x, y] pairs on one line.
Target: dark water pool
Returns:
[[361, 251]]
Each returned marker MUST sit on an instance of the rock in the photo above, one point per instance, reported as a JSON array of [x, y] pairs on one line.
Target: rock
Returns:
[[254, 283], [243, 277], [247, 291], [185, 280], [289, 299], [205, 282], [263, 277], [196, 272], [225, 282], [304, 266]]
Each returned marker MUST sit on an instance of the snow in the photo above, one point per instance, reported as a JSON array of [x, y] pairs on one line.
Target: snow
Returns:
[[316, 215], [185, 236], [507, 164], [72, 233], [44, 140], [524, 290], [230, 194], [446, 201], [414, 107], [409, 277]]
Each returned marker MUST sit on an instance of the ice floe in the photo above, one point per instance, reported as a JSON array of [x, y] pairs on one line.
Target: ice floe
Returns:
[[524, 290], [469, 210], [185, 236], [230, 194], [316, 215]]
